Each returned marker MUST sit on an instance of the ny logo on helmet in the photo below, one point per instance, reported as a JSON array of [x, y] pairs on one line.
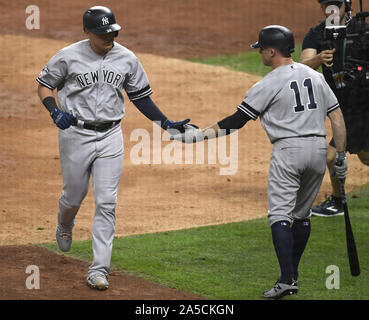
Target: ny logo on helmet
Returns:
[[105, 21]]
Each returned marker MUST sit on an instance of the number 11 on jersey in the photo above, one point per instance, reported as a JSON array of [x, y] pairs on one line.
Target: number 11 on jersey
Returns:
[[309, 85]]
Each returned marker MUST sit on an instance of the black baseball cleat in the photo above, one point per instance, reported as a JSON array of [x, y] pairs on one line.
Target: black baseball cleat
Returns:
[[281, 289], [329, 208]]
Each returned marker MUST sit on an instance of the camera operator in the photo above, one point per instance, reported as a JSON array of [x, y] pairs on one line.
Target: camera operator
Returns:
[[354, 102]]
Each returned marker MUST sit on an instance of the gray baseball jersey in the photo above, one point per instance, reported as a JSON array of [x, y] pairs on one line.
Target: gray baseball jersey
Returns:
[[90, 86], [291, 101]]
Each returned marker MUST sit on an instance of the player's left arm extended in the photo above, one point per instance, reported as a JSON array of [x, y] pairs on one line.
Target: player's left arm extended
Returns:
[[148, 108]]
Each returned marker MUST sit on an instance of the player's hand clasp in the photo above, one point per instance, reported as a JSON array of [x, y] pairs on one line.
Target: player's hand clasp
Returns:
[[173, 127], [191, 134]]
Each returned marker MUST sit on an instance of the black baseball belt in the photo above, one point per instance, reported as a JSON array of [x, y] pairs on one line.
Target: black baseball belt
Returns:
[[100, 127]]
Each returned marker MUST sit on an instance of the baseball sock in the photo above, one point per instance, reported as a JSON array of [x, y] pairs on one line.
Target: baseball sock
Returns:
[[283, 245], [300, 232]]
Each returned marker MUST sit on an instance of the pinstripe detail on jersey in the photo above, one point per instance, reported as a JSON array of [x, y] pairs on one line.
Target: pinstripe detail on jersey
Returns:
[[333, 108], [251, 112], [140, 94], [45, 84]]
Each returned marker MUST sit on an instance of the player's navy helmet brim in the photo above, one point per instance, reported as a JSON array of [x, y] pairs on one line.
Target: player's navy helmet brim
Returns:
[[255, 45], [106, 29]]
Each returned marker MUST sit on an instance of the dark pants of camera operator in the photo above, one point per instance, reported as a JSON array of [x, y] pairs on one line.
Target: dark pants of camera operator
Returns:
[[353, 98]]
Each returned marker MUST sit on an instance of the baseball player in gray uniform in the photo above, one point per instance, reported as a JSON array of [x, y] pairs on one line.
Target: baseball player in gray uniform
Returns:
[[292, 102], [90, 77]]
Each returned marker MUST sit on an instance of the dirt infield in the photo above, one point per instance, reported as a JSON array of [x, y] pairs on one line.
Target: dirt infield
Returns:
[[71, 285], [160, 33]]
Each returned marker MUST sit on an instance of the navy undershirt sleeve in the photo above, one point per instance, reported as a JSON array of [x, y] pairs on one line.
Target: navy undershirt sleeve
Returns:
[[150, 110], [234, 122]]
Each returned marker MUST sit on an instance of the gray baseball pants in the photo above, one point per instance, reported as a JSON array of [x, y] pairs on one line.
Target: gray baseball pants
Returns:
[[85, 153], [296, 172]]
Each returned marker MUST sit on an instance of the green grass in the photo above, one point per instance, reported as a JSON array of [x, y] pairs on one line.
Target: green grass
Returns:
[[249, 61], [237, 260]]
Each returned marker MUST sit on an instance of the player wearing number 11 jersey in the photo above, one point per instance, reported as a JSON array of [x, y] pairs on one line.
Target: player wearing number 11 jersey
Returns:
[[292, 102]]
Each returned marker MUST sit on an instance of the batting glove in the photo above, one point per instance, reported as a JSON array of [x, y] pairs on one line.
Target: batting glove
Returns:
[[62, 119], [340, 166], [173, 127]]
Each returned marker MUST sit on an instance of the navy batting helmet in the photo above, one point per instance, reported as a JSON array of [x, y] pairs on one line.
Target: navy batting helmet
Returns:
[[278, 37], [100, 20]]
